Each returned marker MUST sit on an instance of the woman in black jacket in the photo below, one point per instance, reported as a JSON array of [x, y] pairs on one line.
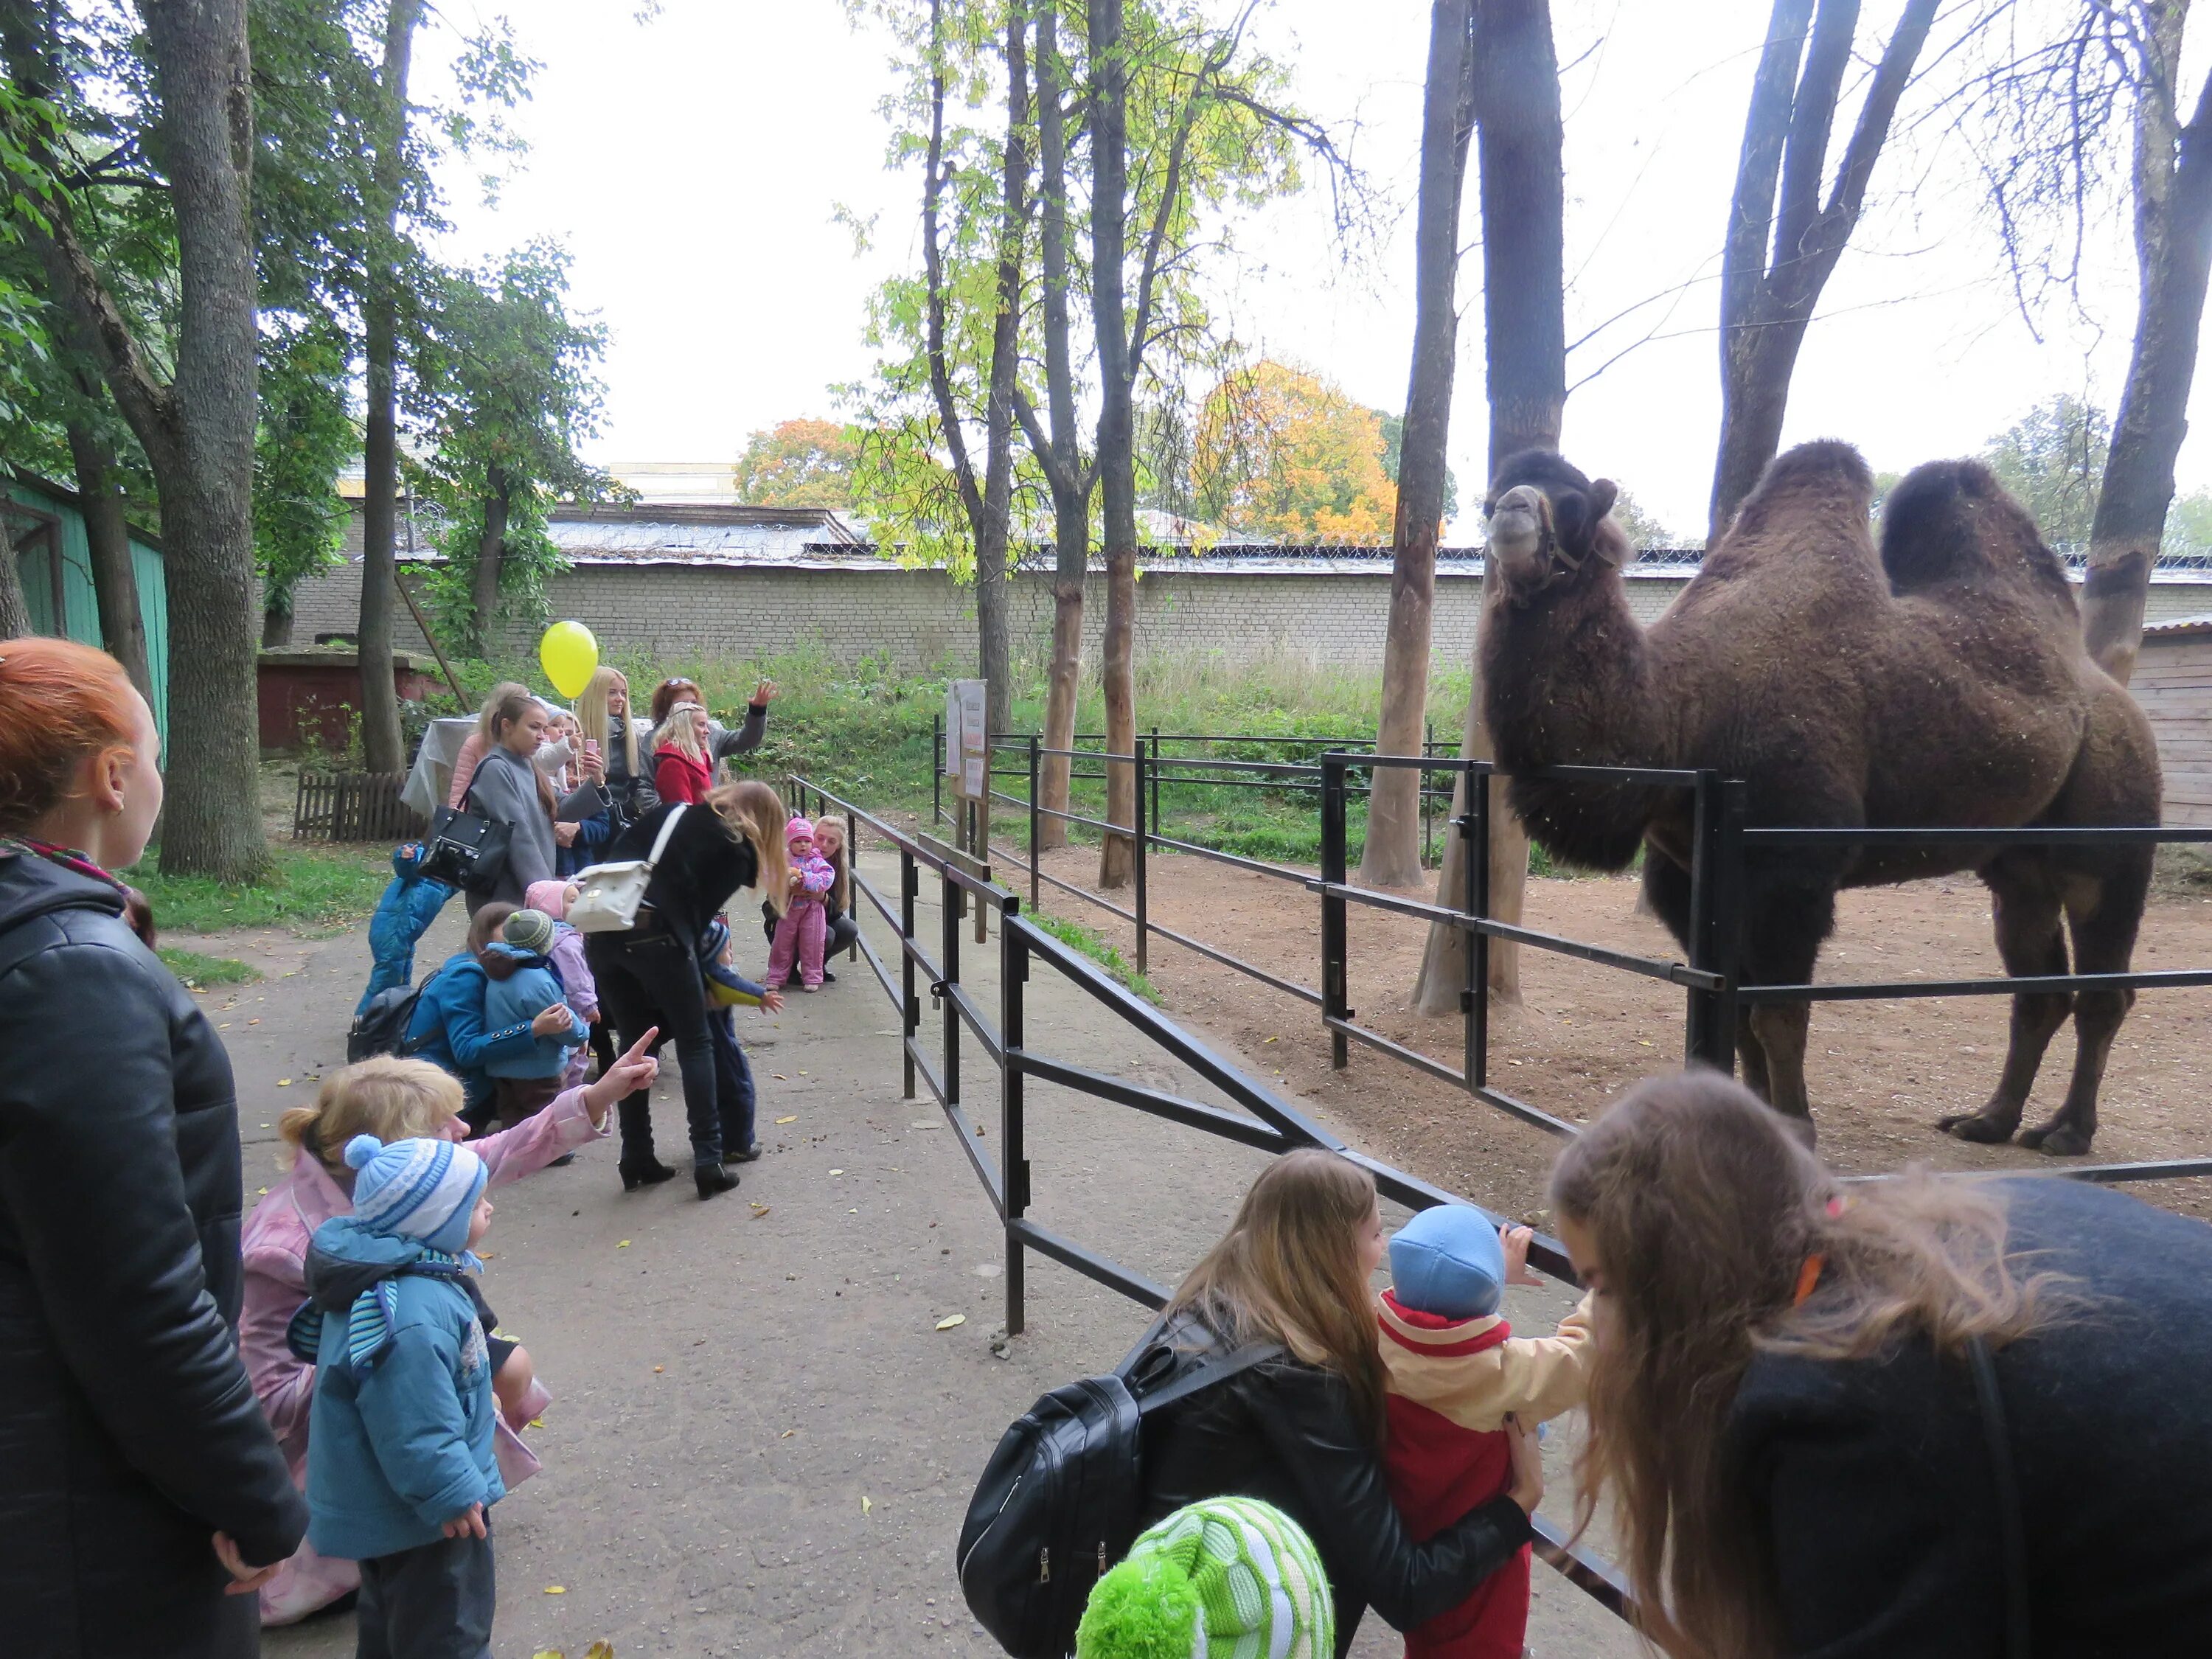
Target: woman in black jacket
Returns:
[[139, 1481], [1303, 1432], [651, 975], [1911, 1418]]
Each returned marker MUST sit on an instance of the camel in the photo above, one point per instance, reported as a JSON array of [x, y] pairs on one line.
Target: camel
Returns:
[[1940, 681]]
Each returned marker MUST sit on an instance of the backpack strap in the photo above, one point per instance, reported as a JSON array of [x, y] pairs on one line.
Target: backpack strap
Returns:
[[1207, 1372], [2012, 1536]]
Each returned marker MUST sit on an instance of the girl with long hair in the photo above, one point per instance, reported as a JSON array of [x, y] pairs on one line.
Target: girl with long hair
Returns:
[[682, 770], [509, 788], [652, 974], [722, 741], [1786, 1415], [474, 746], [1304, 1431], [604, 714]]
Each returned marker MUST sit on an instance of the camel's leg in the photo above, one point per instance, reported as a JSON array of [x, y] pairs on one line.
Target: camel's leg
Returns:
[[2102, 913], [1788, 919], [2025, 907], [1751, 1053]]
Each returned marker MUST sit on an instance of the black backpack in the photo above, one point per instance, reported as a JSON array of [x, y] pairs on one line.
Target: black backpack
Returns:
[[382, 1028], [1057, 1504]]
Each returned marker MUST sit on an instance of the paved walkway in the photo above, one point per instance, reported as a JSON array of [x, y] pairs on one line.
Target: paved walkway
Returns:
[[760, 1442]]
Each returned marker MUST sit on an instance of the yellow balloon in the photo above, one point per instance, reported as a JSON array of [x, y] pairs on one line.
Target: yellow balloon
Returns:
[[570, 656]]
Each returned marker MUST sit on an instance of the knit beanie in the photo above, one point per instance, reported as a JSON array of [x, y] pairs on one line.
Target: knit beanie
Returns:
[[549, 896], [1447, 1262], [425, 1190], [796, 828], [1224, 1575], [529, 930]]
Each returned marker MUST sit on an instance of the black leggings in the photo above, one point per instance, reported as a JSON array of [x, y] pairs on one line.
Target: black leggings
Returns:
[[649, 979]]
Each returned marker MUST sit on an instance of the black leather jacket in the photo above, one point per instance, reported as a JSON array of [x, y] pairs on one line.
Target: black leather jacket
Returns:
[[1284, 1432], [128, 1433]]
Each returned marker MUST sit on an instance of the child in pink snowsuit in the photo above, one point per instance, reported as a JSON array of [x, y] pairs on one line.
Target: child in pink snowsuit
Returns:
[[804, 929]]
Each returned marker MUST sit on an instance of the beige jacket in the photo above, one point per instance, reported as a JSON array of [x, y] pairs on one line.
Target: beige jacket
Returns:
[[1476, 1371]]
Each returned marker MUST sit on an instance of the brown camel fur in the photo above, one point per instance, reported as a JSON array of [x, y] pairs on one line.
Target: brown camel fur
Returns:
[[1939, 682]]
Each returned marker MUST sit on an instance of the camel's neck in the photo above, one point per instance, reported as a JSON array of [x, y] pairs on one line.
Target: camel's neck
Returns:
[[1567, 679]]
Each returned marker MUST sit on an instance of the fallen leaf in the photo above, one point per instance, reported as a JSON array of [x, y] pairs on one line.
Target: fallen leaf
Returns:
[[621, 1245], [261, 1192], [253, 1022], [1643, 1043], [601, 1648], [537, 1423], [867, 1503], [950, 1320], [787, 1434], [657, 1369], [549, 1653], [779, 1077], [557, 1589], [759, 1210], [836, 1172], [283, 1082], [794, 1118]]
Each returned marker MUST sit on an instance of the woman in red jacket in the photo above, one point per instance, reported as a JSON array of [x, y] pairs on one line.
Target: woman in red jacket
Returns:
[[681, 768]]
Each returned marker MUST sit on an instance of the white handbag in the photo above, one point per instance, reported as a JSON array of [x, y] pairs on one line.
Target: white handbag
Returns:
[[612, 892]]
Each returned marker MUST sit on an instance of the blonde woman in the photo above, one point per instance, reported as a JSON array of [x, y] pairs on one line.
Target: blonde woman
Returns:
[[1304, 1431], [604, 714], [1910, 1417], [683, 764], [393, 1100], [653, 974], [474, 745]]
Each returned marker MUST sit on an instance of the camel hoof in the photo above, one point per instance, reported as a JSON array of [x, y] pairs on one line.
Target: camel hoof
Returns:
[[2056, 1139], [1977, 1127]]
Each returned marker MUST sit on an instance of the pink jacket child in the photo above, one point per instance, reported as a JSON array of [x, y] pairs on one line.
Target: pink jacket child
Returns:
[[804, 929], [275, 1245], [578, 989]]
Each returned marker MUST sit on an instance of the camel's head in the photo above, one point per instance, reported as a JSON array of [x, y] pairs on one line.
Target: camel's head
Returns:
[[1547, 522]]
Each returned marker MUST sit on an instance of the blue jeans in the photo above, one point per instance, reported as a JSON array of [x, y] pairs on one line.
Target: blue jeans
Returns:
[[733, 1083]]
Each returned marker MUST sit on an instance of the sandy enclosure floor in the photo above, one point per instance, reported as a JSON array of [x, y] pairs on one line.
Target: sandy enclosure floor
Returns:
[[1879, 1073]]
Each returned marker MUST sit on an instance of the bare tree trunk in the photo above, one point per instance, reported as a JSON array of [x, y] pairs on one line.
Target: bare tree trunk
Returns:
[[115, 577], [1116, 455], [277, 623], [1393, 853], [14, 608], [1783, 242], [1059, 451], [1523, 198], [992, 533], [2173, 252], [382, 749], [491, 549]]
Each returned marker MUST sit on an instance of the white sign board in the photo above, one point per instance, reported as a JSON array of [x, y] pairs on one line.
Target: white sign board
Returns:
[[948, 763], [975, 739]]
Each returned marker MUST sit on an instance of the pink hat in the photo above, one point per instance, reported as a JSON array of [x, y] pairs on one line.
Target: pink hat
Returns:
[[796, 828], [550, 897]]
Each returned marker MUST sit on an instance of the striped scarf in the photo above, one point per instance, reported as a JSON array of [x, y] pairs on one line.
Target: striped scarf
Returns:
[[368, 1322]]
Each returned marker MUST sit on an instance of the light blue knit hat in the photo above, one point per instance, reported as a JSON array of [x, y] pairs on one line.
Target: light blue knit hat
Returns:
[[1447, 1261], [421, 1189]]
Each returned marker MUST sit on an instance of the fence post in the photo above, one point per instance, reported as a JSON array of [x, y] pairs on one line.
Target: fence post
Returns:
[[1155, 777], [1034, 822], [1699, 1019], [1728, 914], [936, 769], [909, 1002], [1144, 835], [851, 866], [1013, 974], [1428, 806], [1334, 998], [1474, 996], [948, 911], [1716, 917]]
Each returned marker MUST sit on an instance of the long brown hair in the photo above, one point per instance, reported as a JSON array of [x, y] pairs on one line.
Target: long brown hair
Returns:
[[755, 811], [493, 703], [512, 708], [1702, 1211], [1288, 1269]]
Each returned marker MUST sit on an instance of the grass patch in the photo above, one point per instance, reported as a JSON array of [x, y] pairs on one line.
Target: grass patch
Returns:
[[1076, 936], [307, 889], [198, 972]]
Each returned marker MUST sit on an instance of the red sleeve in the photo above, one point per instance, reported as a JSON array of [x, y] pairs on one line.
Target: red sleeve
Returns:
[[674, 777]]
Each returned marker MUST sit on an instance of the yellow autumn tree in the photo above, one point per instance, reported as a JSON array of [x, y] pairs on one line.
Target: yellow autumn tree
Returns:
[[802, 462], [1281, 452]]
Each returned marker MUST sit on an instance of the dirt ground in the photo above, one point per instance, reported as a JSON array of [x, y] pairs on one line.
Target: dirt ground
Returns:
[[1880, 1074]]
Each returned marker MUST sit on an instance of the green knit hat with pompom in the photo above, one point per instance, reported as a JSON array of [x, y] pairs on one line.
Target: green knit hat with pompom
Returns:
[[1224, 1578]]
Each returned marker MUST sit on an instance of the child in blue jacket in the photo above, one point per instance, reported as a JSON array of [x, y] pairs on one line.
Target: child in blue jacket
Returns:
[[520, 981], [401, 1473], [410, 903], [450, 1031]]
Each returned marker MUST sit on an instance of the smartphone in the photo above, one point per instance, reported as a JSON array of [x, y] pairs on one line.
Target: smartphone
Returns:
[[591, 745]]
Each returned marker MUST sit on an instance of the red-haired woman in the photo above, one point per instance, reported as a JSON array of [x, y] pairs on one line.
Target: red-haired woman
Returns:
[[144, 1495]]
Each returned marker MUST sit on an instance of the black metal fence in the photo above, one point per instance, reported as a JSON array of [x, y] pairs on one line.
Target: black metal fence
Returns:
[[1016, 1056]]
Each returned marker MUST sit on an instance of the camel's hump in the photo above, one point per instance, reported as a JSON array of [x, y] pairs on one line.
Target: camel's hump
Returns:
[[1822, 459], [1950, 520], [1820, 478]]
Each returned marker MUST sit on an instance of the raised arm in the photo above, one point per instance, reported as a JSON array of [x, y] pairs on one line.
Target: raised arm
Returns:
[[749, 733]]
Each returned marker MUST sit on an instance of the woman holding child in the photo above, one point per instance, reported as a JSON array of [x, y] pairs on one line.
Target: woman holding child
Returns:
[[1305, 1431], [143, 1496]]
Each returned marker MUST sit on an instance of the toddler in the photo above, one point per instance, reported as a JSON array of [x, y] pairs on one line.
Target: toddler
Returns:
[[410, 903], [803, 931], [578, 988], [401, 1471], [519, 982], [1455, 1371], [727, 991]]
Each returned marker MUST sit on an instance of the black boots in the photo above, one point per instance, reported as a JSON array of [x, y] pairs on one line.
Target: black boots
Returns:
[[645, 1175], [712, 1179]]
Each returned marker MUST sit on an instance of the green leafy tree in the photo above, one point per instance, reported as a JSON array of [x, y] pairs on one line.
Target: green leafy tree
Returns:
[[801, 463], [504, 388], [305, 437], [2053, 460]]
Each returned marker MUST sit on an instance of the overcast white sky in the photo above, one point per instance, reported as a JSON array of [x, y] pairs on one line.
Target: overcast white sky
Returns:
[[691, 164]]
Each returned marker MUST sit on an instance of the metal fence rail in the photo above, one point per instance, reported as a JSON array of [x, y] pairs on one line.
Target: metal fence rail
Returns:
[[1271, 1124]]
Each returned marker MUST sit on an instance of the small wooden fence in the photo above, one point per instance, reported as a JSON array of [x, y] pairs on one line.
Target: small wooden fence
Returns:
[[352, 807]]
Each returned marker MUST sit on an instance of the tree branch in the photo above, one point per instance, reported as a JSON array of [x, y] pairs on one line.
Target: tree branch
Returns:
[[940, 376], [1812, 113]]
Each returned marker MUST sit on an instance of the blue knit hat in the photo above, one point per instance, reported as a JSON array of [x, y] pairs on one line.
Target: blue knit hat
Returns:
[[1448, 1261], [425, 1190]]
